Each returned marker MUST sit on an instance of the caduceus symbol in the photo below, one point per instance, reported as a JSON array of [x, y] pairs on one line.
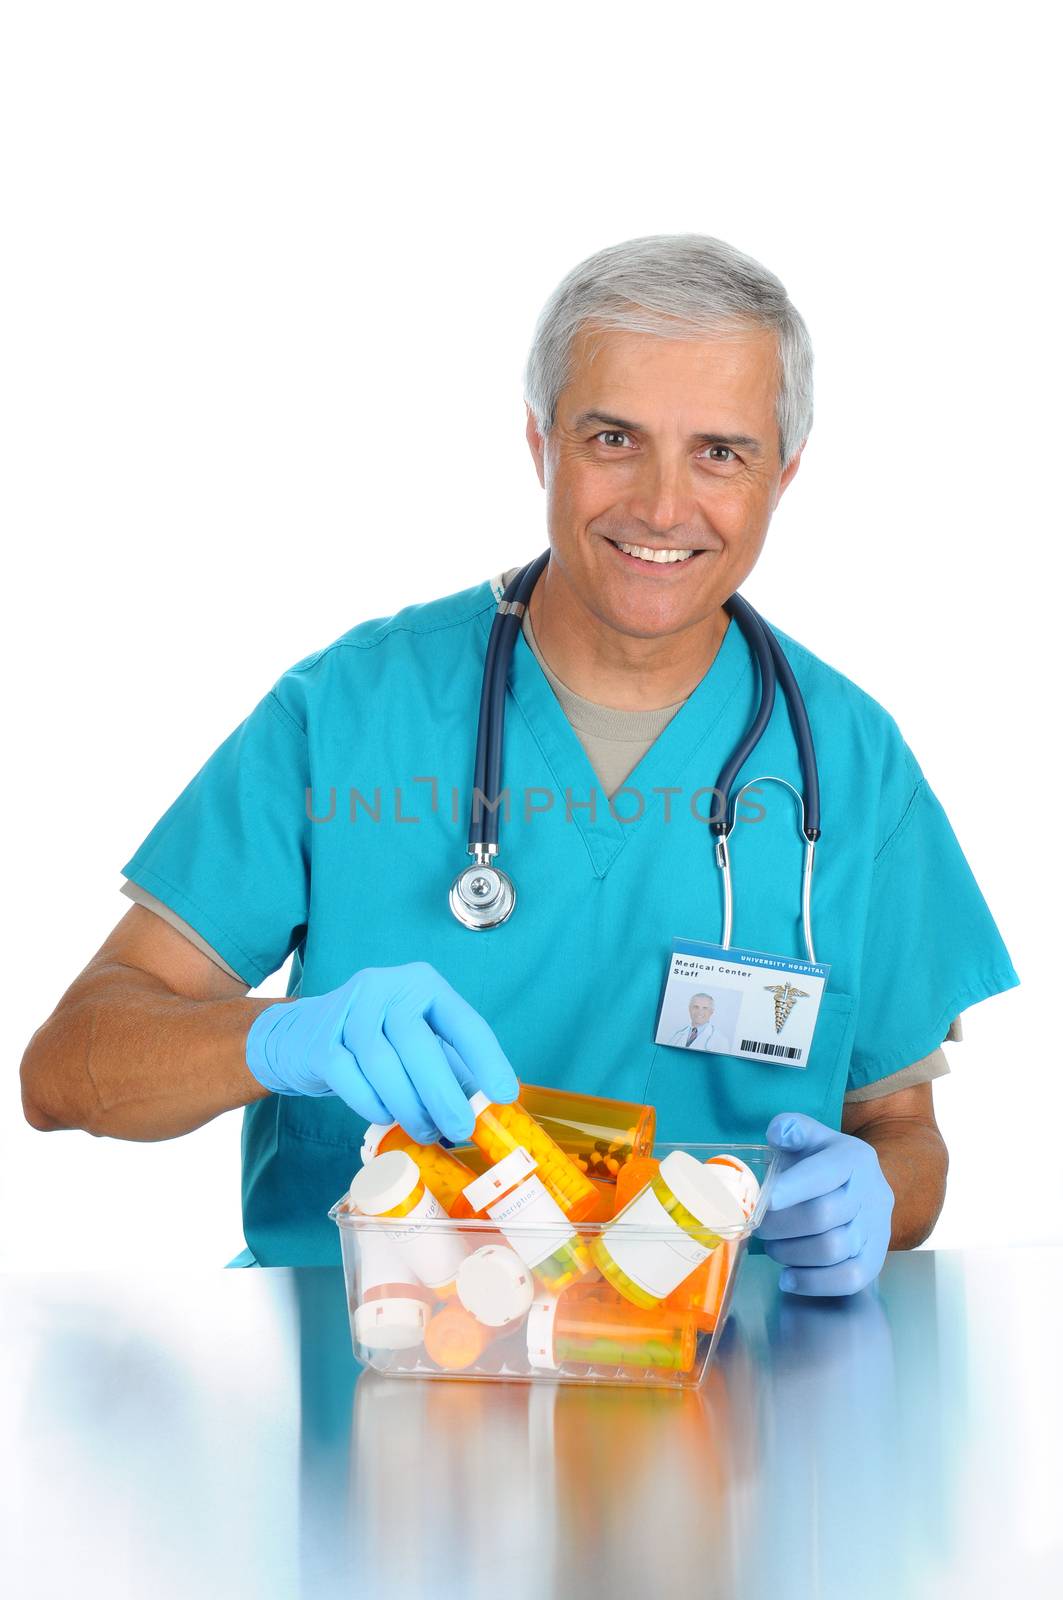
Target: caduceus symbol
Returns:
[[785, 997]]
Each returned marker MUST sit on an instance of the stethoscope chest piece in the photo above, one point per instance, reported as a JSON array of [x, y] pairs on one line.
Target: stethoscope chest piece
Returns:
[[482, 897]]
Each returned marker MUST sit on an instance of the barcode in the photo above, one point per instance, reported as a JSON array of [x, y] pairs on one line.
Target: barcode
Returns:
[[792, 1052]]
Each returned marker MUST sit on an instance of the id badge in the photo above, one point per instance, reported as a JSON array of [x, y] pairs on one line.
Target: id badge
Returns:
[[740, 1003]]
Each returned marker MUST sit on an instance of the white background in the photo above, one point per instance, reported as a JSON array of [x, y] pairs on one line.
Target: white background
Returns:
[[271, 275]]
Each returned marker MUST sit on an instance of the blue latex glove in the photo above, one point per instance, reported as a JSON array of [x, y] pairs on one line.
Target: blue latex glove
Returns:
[[830, 1209], [398, 1044]]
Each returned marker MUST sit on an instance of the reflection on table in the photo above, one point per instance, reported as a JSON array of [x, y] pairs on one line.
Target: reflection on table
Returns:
[[212, 1433]]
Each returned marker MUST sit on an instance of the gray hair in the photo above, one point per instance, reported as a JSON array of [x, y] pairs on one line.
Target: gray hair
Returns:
[[675, 285]]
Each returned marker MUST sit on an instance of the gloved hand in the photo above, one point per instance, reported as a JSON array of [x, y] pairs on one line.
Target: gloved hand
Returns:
[[830, 1209], [398, 1044]]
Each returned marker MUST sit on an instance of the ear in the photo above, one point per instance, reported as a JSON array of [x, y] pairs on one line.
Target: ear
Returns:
[[535, 444], [790, 472]]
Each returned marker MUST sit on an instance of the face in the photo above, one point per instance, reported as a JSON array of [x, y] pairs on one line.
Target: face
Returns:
[[666, 445], [701, 1009]]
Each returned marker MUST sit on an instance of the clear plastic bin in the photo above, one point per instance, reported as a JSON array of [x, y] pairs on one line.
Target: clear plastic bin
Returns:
[[533, 1344]]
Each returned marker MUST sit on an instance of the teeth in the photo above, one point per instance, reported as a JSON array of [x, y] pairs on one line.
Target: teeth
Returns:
[[644, 553]]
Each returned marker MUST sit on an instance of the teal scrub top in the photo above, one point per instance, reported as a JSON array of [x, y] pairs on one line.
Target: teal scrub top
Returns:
[[332, 821]]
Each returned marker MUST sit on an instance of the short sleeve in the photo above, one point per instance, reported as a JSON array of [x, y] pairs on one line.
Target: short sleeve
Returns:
[[152, 902], [935, 1065], [231, 856], [931, 947]]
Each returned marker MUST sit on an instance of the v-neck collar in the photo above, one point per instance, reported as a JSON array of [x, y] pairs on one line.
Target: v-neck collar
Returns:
[[668, 758]]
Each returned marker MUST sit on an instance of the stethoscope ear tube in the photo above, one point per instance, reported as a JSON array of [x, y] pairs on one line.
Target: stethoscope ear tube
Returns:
[[806, 749], [723, 861], [756, 637], [774, 669]]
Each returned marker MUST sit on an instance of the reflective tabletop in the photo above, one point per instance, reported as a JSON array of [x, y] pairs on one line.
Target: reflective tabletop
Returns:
[[175, 1434]]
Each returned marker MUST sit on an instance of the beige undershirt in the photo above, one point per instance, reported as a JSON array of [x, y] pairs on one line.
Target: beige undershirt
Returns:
[[615, 742]]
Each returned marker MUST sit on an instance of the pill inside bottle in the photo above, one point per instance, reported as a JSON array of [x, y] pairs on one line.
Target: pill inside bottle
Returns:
[[501, 1129]]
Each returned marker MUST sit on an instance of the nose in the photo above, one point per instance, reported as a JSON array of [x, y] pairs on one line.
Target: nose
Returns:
[[663, 498]]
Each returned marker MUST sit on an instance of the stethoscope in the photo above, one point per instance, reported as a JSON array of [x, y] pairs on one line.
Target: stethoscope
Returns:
[[483, 896]]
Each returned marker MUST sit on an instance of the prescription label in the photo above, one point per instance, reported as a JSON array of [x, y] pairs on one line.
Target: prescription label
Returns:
[[656, 1265], [382, 1260], [740, 1003], [434, 1254], [529, 1204]]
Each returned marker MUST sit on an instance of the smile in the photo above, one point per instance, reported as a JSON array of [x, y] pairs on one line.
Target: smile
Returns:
[[646, 553]]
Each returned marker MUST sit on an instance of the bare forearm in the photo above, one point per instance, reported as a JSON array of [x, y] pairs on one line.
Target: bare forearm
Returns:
[[915, 1164], [124, 1056]]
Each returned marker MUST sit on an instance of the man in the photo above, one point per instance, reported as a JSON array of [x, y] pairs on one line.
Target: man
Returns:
[[669, 399], [701, 1028]]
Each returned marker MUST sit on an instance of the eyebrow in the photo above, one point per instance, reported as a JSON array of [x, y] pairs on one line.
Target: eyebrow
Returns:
[[739, 441]]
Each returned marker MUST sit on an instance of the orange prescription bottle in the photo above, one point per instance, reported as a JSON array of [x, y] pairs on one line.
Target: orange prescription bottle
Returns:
[[690, 1210], [392, 1186], [455, 1340], [441, 1170], [499, 1130], [530, 1220], [708, 1302], [709, 1286], [394, 1308], [605, 1207], [704, 1290], [633, 1177], [600, 1135], [700, 1296], [606, 1332]]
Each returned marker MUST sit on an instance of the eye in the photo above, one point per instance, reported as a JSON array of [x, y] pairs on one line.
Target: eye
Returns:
[[612, 433], [728, 453]]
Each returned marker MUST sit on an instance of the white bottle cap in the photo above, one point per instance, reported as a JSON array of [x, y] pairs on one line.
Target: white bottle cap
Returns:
[[478, 1102], [504, 1175], [741, 1179], [495, 1285], [390, 1324], [540, 1334], [374, 1134], [704, 1192], [384, 1183]]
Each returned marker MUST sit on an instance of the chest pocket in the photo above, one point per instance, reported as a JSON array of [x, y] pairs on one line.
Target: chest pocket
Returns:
[[720, 1098]]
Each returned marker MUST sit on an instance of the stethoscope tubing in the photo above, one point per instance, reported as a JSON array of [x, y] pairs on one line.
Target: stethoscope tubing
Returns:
[[806, 749], [773, 668], [487, 770]]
